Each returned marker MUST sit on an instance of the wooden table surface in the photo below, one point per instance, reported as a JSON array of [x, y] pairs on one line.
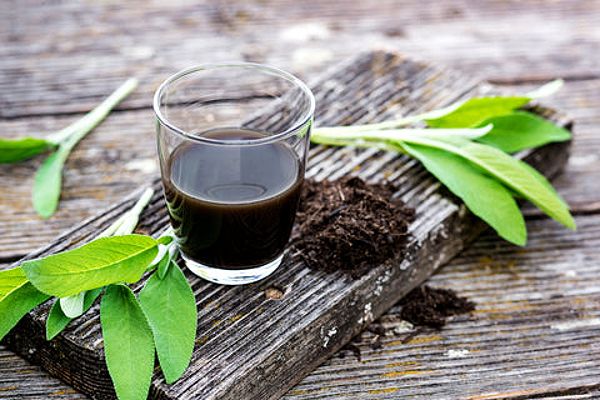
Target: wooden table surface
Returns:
[[537, 327]]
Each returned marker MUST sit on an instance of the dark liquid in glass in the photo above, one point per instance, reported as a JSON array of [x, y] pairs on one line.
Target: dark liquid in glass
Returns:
[[233, 207]]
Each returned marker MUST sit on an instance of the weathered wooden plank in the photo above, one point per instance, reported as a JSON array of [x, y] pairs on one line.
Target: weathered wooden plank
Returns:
[[22, 380], [120, 155], [251, 346], [93, 48], [534, 333]]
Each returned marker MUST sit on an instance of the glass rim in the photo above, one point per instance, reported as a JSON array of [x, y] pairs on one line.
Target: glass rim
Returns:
[[306, 117]]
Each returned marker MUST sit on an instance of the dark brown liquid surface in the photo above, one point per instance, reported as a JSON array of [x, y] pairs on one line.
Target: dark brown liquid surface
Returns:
[[233, 207]]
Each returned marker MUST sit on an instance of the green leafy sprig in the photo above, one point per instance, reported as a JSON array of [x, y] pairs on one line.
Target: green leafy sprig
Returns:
[[161, 319], [467, 147], [48, 178]]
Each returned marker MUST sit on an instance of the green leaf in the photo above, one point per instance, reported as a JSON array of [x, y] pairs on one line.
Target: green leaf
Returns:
[[170, 306], [48, 179], [17, 298], [11, 279], [18, 303], [510, 172], [47, 184], [542, 179], [72, 306], [163, 265], [57, 321], [165, 240], [99, 263], [521, 130], [20, 149], [462, 114], [128, 343], [484, 196], [474, 111]]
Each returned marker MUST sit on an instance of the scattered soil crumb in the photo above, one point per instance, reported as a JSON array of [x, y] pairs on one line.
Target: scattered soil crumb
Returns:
[[424, 308], [350, 225], [430, 307], [352, 348]]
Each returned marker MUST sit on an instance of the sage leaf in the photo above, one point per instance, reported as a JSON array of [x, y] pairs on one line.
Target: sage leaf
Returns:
[[20, 149], [484, 196], [17, 298], [510, 172], [72, 306], [128, 343], [57, 321], [474, 111], [47, 184], [18, 303], [170, 306], [165, 240], [462, 114], [521, 130], [99, 263], [167, 251], [163, 265], [11, 279], [48, 179], [542, 180]]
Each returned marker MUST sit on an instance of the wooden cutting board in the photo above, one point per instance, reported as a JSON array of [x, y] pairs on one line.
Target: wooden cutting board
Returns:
[[251, 345]]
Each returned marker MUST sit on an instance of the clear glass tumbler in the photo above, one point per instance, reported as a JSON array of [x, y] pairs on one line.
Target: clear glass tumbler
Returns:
[[233, 141]]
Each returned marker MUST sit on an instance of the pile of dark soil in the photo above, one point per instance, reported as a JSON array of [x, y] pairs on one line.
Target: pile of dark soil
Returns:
[[350, 225], [430, 307]]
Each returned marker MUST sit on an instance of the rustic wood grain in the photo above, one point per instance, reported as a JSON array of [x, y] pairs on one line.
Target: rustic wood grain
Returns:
[[62, 57], [255, 348], [21, 380], [534, 333]]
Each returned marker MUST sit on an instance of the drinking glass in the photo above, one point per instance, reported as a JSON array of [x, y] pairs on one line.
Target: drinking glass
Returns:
[[232, 142]]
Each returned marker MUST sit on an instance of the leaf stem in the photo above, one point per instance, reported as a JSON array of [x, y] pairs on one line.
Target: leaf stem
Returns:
[[73, 133], [546, 90], [127, 222], [397, 123], [350, 136]]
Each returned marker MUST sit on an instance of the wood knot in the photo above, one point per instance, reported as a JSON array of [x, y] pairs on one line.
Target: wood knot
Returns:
[[274, 293]]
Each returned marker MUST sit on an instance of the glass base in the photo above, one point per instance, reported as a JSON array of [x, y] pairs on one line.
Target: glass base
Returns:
[[232, 276]]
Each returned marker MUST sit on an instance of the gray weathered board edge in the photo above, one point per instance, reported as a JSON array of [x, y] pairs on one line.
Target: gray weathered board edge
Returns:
[[347, 316]]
